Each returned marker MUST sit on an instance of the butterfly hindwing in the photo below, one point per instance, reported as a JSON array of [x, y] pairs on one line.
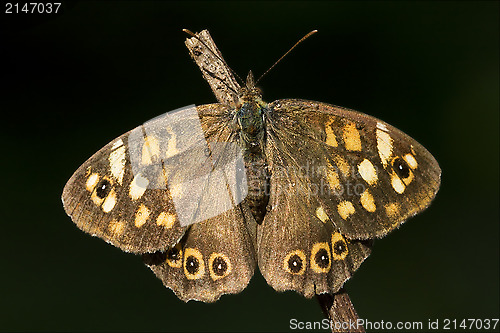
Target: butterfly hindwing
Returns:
[[215, 257], [300, 249]]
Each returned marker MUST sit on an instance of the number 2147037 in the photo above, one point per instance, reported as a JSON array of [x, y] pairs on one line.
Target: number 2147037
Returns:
[[32, 8]]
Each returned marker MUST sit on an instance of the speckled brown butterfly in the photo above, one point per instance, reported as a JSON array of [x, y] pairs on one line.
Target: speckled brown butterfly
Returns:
[[321, 182]]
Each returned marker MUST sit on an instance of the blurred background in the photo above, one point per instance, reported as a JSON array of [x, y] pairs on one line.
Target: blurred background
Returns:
[[73, 81]]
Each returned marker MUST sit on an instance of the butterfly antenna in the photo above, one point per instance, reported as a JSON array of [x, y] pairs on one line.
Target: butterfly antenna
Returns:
[[284, 55], [216, 55]]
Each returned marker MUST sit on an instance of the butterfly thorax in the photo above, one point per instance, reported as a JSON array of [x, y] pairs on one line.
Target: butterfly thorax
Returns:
[[250, 116]]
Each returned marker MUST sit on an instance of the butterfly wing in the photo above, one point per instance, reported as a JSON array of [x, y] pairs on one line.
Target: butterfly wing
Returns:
[[338, 177], [215, 257], [105, 199], [299, 251], [126, 193], [372, 176]]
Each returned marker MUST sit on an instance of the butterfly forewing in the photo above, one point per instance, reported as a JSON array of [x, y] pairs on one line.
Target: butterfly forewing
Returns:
[[368, 176], [105, 199], [124, 193]]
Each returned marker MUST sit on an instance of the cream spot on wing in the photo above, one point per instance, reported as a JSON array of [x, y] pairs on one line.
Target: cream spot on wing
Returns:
[[116, 228], [165, 219], [172, 144], [384, 146], [117, 163], [333, 178], [397, 184], [110, 201], [351, 137], [367, 201], [392, 210], [345, 209], [411, 161], [141, 216], [117, 144], [367, 172], [96, 200], [331, 140], [320, 213], [382, 126], [92, 182], [138, 186], [150, 150], [342, 165]]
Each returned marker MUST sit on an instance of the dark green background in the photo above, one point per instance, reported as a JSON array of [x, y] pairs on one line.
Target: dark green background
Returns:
[[72, 82]]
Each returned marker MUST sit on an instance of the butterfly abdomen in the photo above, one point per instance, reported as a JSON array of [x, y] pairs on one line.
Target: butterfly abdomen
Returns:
[[258, 185]]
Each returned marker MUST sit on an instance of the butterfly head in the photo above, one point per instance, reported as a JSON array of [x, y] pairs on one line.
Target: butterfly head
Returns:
[[250, 93]]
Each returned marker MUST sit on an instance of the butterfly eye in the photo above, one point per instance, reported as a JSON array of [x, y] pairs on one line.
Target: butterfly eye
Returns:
[[339, 247], [219, 265], [295, 262], [194, 267], [402, 169], [322, 259], [103, 189], [192, 264], [174, 254]]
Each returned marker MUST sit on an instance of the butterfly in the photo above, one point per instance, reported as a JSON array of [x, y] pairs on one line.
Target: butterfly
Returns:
[[298, 188]]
